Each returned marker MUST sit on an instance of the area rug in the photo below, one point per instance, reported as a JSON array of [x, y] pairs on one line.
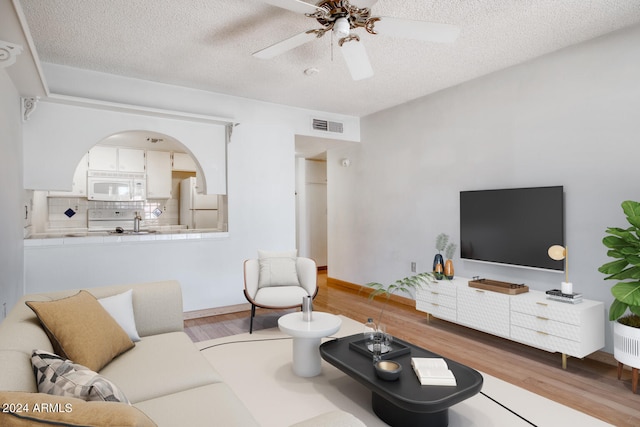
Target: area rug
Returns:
[[258, 368]]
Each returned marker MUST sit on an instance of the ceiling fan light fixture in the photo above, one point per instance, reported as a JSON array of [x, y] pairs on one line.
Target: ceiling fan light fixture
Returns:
[[341, 27]]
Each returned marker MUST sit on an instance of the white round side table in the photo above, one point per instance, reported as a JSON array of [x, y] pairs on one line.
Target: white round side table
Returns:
[[306, 339]]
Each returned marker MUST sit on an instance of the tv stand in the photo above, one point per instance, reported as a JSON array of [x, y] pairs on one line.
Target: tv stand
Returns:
[[529, 318]]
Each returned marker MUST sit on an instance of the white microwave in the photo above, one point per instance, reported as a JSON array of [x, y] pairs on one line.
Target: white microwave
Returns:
[[116, 186]]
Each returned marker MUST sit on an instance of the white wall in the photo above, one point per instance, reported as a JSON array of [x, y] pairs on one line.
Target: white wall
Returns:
[[260, 177], [311, 199], [58, 135], [570, 118], [11, 194]]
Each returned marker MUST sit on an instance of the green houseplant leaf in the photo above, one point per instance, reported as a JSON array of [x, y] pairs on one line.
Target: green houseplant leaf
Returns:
[[408, 285], [624, 248]]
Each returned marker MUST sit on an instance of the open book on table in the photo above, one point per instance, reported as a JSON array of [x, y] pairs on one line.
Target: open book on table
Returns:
[[433, 371]]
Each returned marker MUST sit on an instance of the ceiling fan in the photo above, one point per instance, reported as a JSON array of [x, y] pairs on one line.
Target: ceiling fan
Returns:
[[341, 17]]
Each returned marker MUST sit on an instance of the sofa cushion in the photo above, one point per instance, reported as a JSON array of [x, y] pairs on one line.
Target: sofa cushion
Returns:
[[277, 269], [29, 409], [219, 399], [55, 375], [160, 365], [80, 329], [18, 372], [120, 307], [22, 331]]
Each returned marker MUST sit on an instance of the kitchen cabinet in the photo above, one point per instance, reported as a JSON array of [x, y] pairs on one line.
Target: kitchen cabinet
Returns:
[[130, 160], [79, 184], [158, 175], [116, 159], [103, 158], [183, 162]]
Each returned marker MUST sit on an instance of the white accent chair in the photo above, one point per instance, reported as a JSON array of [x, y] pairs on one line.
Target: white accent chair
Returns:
[[279, 290]]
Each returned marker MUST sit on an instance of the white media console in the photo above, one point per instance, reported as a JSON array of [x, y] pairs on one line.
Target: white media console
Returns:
[[529, 318]]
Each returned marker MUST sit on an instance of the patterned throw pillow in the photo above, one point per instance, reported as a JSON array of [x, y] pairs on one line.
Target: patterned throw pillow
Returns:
[[57, 376]]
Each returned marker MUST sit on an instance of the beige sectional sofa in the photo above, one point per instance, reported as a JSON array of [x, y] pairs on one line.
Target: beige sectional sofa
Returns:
[[164, 376]]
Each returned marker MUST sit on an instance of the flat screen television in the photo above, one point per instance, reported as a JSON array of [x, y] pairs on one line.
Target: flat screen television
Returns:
[[514, 226]]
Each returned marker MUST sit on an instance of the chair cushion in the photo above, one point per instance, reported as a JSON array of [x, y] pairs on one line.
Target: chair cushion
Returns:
[[280, 296], [80, 329], [60, 377], [278, 269], [49, 410]]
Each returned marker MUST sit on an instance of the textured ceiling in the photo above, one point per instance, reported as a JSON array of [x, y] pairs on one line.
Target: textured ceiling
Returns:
[[207, 44]]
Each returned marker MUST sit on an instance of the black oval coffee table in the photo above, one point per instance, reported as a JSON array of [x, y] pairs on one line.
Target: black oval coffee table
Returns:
[[403, 402]]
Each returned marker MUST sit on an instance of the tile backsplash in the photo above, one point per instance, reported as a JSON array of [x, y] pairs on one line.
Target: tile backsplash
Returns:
[[71, 212]]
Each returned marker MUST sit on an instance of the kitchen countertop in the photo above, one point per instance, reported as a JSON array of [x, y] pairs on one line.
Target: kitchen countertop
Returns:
[[83, 236]]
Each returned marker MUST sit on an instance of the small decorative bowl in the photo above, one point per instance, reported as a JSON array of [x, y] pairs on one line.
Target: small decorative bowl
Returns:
[[388, 370]]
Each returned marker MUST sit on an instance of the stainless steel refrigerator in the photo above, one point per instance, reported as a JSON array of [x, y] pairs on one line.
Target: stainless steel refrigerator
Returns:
[[197, 211]]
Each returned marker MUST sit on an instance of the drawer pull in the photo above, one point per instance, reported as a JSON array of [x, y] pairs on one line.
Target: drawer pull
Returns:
[[542, 303], [435, 293], [542, 333], [435, 305], [479, 291], [542, 318]]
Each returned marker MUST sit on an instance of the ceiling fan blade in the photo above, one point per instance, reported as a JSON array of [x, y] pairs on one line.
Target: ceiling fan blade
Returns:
[[417, 30], [293, 5], [355, 55], [285, 45]]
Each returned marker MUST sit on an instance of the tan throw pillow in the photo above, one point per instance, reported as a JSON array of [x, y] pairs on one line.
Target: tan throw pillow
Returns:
[[55, 375], [29, 409], [81, 330], [277, 269]]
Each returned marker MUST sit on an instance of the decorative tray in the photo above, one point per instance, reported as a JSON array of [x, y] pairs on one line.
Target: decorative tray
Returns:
[[388, 351], [496, 286]]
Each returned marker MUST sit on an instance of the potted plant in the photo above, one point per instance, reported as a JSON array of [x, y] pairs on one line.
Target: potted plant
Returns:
[[408, 285], [624, 247]]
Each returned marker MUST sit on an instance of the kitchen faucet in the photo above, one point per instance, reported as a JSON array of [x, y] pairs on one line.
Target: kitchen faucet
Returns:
[[136, 223]]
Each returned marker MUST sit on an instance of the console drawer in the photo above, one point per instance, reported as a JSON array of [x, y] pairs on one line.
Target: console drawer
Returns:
[[436, 310], [544, 341], [562, 312], [437, 298], [547, 326], [443, 287]]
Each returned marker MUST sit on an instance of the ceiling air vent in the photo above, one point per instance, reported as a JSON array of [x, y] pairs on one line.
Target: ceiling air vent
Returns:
[[327, 126]]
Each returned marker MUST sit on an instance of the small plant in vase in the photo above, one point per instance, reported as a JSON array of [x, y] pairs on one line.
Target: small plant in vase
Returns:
[[407, 285], [438, 262], [449, 252]]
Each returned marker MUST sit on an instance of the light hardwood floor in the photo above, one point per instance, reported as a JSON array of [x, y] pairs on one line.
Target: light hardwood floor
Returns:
[[587, 385]]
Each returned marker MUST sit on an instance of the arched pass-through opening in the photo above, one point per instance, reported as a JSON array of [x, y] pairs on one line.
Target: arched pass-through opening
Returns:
[[161, 167]]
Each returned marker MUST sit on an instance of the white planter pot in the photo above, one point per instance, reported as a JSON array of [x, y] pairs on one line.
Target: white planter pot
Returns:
[[626, 344]]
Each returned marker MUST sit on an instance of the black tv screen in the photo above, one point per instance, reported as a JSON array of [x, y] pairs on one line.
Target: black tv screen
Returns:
[[513, 226]]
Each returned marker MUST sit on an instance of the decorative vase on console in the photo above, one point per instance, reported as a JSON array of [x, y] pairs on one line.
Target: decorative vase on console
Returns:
[[438, 262], [448, 265]]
